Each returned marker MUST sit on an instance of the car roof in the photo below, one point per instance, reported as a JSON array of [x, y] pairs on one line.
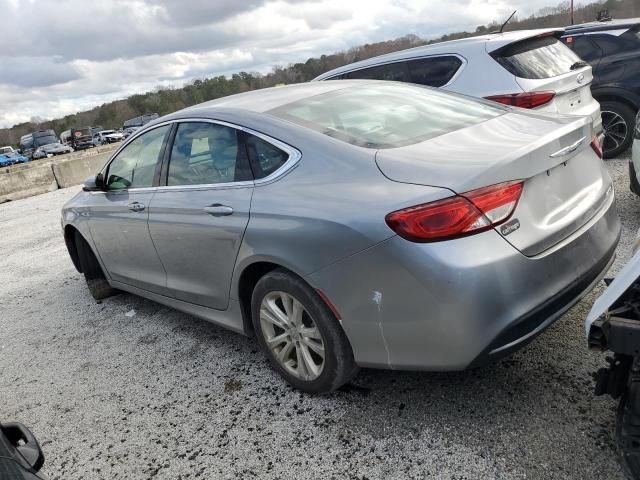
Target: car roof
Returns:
[[489, 43], [269, 98], [603, 26]]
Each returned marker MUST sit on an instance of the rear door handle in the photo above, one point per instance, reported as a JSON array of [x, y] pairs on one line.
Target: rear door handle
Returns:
[[218, 210], [136, 206]]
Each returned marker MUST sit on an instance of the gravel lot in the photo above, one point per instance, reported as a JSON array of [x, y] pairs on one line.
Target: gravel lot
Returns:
[[161, 394]]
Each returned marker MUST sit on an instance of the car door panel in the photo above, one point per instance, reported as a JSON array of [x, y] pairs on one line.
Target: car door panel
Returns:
[[118, 218], [120, 232], [197, 219], [197, 234]]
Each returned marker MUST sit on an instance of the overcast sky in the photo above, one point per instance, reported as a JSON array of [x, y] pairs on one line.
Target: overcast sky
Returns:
[[62, 56]]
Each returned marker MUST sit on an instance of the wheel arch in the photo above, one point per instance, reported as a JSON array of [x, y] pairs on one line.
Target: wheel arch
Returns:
[[617, 95], [248, 276], [70, 240]]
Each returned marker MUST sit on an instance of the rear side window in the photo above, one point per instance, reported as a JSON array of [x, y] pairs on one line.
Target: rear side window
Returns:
[[391, 71], [537, 58], [265, 158], [206, 153], [433, 71]]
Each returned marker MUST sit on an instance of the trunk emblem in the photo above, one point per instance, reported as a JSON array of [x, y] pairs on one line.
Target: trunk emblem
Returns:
[[580, 78], [510, 227]]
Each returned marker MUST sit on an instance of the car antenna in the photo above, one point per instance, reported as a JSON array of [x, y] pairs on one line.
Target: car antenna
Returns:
[[507, 21]]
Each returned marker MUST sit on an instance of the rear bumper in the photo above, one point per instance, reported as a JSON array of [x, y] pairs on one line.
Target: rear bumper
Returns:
[[454, 305]]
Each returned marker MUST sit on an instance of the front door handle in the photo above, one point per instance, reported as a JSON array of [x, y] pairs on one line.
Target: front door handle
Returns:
[[218, 210], [136, 206]]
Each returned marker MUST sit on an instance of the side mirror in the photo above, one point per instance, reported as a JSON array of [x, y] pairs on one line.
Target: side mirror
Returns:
[[94, 184], [25, 444]]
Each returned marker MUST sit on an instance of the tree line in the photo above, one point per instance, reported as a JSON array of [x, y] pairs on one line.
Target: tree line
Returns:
[[167, 100]]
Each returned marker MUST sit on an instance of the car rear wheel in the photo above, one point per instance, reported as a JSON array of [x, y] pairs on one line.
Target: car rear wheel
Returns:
[[96, 281], [617, 121], [301, 337]]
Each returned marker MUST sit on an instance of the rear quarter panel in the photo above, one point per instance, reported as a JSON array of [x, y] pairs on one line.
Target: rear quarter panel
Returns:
[[332, 204]]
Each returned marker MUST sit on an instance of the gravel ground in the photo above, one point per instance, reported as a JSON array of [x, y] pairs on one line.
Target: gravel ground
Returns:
[[161, 394]]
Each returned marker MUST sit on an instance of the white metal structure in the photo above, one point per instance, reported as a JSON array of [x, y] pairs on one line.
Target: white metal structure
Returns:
[[527, 68]]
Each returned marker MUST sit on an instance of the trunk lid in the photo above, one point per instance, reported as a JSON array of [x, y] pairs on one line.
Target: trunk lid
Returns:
[[565, 183], [573, 92]]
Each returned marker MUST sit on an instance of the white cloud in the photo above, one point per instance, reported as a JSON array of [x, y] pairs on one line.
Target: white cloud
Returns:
[[77, 54]]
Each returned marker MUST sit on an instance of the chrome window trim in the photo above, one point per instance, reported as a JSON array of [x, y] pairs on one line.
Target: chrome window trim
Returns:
[[409, 59], [294, 157]]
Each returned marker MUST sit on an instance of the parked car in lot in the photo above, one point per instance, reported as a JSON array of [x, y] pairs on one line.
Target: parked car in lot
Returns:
[[527, 68], [31, 142], [613, 50], [65, 137], [104, 137], [21, 457], [12, 158], [6, 161], [139, 121], [51, 149], [354, 223], [81, 138]]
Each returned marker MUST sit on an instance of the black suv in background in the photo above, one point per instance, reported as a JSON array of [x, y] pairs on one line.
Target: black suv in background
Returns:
[[612, 48]]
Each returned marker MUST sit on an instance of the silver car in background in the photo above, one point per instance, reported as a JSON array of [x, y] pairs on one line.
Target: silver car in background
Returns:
[[355, 223], [526, 69]]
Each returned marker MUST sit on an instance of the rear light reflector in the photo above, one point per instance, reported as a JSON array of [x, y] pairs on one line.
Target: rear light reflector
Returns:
[[331, 306], [458, 216], [524, 99], [596, 145]]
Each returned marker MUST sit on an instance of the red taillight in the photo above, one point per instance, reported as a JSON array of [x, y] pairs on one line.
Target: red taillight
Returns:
[[524, 99], [458, 216], [596, 145]]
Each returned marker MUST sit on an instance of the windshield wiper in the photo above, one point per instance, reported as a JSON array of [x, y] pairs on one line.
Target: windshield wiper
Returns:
[[578, 65]]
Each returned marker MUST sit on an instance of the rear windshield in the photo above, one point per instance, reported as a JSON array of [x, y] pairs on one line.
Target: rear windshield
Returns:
[[387, 115], [537, 58]]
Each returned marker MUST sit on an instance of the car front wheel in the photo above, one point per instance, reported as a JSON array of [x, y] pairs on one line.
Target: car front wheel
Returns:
[[96, 282], [299, 334]]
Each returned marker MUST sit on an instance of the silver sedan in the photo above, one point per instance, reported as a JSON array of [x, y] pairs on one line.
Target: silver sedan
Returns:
[[353, 224]]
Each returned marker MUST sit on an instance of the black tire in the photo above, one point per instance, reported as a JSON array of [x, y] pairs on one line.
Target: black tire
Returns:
[[628, 426], [339, 365], [96, 281], [614, 146]]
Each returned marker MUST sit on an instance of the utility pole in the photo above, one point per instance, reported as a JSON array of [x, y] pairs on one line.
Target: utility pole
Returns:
[[571, 12]]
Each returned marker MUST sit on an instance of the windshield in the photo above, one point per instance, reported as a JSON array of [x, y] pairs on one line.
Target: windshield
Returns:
[[45, 140], [387, 115], [5, 150]]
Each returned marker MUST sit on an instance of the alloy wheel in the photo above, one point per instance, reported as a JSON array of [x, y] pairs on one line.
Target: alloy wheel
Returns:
[[292, 335], [615, 130]]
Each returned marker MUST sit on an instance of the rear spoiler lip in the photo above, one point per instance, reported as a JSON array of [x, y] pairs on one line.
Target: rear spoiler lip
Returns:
[[493, 47]]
